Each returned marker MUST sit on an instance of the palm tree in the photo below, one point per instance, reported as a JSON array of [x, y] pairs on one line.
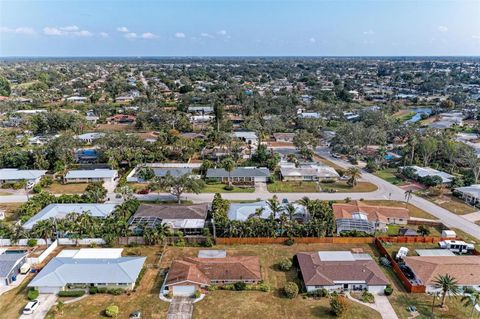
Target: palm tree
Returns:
[[408, 195], [354, 174], [229, 165], [45, 229], [290, 210], [274, 206], [448, 285], [304, 201], [471, 300]]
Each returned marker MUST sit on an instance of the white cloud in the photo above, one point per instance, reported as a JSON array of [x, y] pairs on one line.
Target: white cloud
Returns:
[[104, 34], [476, 36], [442, 28], [19, 30], [180, 35], [312, 40], [72, 30], [222, 32], [122, 29], [149, 35], [369, 32], [131, 35], [206, 35]]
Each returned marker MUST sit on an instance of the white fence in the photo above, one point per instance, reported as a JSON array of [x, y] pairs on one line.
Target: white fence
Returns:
[[85, 241], [43, 255], [21, 242]]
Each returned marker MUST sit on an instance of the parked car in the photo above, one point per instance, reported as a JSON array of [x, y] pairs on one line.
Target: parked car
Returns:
[[136, 315], [31, 307]]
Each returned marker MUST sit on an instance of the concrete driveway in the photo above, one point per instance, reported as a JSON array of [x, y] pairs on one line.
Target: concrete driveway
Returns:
[[180, 308], [47, 301]]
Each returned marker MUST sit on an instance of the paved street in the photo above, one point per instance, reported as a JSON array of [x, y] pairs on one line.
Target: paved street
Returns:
[[180, 308]]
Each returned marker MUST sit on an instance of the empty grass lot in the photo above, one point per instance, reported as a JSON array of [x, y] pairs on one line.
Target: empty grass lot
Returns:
[[451, 203], [388, 174], [74, 188], [312, 187]]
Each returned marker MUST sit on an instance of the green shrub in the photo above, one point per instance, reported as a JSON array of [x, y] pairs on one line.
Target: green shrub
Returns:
[[263, 287], [208, 242], [212, 288], [289, 242], [228, 188], [92, 290], [239, 286], [102, 290], [227, 287], [318, 293], [338, 305], [290, 290], [388, 290], [115, 291], [197, 294], [285, 264], [368, 297], [32, 294], [111, 311], [71, 293], [31, 242]]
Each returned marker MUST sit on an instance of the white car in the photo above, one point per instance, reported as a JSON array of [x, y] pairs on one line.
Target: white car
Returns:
[[31, 307]]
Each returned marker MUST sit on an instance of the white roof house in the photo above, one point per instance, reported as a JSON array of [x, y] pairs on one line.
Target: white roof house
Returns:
[[428, 171], [14, 175], [470, 194], [59, 211], [308, 172], [99, 174], [99, 267], [89, 137]]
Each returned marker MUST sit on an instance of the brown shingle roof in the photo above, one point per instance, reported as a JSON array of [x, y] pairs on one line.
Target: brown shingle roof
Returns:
[[465, 269], [204, 270], [373, 213], [316, 272], [197, 211]]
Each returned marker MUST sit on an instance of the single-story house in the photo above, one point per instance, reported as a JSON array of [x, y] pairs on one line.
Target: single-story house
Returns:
[[470, 194], [161, 169], [313, 172], [341, 271], [121, 119], [250, 138], [188, 275], [239, 175], [88, 267], [465, 269], [59, 211], [190, 219], [90, 137], [91, 175], [200, 110], [428, 171], [244, 211], [76, 99], [10, 264], [367, 218], [13, 175], [284, 137]]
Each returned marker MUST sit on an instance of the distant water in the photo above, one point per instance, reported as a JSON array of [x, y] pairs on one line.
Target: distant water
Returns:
[[418, 114]]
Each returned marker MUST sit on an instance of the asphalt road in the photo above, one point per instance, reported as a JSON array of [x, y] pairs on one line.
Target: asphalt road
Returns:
[[385, 190]]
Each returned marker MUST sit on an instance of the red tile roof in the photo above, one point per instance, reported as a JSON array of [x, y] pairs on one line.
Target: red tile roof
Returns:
[[373, 213]]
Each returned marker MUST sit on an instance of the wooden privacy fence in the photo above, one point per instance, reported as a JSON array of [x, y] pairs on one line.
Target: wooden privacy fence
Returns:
[[411, 239], [297, 240], [396, 268]]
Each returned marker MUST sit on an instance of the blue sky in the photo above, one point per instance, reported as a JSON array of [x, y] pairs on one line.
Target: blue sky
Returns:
[[239, 27]]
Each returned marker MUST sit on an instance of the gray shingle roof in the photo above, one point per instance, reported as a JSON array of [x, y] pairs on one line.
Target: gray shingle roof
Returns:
[[7, 262]]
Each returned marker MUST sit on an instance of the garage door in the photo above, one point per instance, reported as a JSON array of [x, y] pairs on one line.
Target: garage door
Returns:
[[183, 290], [48, 290]]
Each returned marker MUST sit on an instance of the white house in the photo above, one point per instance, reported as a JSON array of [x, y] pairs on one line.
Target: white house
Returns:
[[13, 175], [341, 271], [91, 175], [88, 267]]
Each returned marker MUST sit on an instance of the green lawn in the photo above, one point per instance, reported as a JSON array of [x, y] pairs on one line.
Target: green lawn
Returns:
[[73, 188], [388, 174], [220, 188], [313, 187]]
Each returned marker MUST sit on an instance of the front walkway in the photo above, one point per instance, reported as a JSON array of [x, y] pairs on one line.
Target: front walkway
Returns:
[[382, 305], [180, 308]]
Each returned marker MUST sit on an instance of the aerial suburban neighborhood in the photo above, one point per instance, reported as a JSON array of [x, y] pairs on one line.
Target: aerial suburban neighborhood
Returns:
[[206, 174]]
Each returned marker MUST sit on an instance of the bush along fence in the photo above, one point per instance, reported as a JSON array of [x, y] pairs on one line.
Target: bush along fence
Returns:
[[297, 240]]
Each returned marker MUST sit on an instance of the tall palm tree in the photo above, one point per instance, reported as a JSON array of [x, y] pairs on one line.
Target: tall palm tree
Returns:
[[274, 206], [290, 210], [471, 300], [448, 285], [354, 174], [408, 195], [45, 229], [229, 165]]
